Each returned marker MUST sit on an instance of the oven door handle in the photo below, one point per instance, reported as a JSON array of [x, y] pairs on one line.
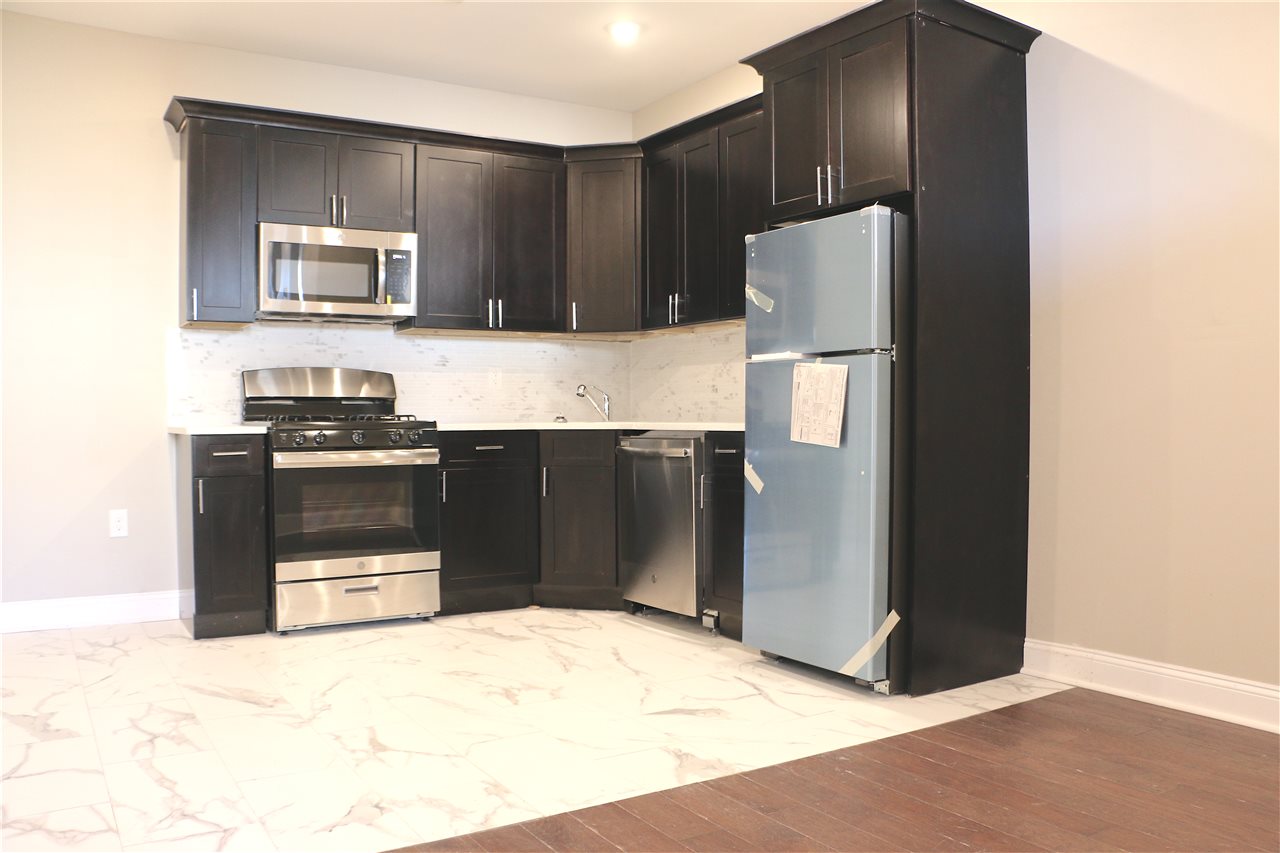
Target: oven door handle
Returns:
[[356, 458]]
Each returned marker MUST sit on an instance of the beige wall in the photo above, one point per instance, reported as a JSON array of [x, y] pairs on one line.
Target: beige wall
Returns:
[[90, 260], [1153, 155]]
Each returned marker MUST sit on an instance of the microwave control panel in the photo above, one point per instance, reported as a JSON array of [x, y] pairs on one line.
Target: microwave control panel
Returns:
[[399, 276]]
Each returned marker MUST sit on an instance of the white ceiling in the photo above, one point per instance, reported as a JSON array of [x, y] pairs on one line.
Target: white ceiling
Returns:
[[556, 50]]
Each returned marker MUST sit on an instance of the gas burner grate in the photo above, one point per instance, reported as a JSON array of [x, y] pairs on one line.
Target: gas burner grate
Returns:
[[333, 419]]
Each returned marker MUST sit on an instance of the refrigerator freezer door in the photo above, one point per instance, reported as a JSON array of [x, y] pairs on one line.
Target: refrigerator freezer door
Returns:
[[816, 569], [827, 285]]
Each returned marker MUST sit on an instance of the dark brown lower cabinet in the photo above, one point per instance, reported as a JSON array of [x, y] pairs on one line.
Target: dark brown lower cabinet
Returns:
[[222, 534], [579, 554], [488, 525], [723, 509]]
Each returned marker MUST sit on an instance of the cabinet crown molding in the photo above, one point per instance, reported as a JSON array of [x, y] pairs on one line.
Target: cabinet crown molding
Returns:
[[955, 13]]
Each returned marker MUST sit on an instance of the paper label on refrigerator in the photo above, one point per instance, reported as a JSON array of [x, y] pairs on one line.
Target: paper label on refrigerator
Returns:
[[817, 403]]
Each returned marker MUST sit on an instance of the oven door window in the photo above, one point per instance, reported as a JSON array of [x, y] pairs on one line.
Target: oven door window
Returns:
[[313, 273], [334, 513]]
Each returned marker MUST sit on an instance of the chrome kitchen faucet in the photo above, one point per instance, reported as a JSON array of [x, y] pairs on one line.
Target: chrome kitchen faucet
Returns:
[[582, 392]]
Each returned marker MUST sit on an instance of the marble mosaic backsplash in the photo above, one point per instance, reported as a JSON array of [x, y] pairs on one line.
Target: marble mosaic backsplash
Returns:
[[689, 377], [696, 376]]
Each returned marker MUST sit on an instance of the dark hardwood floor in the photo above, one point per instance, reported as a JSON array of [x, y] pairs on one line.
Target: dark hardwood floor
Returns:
[[1076, 770]]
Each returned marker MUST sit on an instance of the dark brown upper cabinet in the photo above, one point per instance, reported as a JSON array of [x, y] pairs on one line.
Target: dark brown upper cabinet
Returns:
[[528, 243], [603, 244], [837, 122], [309, 178], [681, 210], [490, 241], [455, 238], [744, 171], [661, 237], [375, 184], [219, 221], [870, 135]]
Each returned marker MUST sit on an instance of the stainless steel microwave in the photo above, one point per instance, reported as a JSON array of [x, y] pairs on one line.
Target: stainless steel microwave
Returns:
[[308, 272]]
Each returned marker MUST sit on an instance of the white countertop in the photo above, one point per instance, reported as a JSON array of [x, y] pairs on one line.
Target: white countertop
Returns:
[[217, 429], [697, 426]]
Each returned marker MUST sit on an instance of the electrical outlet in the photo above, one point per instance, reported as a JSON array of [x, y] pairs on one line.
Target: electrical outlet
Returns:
[[117, 523]]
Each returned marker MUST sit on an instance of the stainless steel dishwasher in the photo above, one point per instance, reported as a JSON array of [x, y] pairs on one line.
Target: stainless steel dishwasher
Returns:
[[660, 535]]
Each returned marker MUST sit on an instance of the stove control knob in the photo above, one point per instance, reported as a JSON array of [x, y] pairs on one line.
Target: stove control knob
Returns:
[[358, 436], [298, 439], [394, 436], [321, 438], [414, 436]]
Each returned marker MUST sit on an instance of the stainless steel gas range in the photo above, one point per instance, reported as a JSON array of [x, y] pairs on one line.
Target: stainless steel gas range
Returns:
[[355, 494]]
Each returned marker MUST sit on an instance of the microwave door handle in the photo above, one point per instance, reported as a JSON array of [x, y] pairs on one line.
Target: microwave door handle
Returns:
[[380, 296]]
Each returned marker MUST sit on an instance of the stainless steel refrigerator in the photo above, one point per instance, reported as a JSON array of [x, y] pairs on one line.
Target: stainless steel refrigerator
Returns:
[[816, 582]]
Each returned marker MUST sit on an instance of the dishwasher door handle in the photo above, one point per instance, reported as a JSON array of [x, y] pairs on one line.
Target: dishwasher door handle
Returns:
[[682, 453]]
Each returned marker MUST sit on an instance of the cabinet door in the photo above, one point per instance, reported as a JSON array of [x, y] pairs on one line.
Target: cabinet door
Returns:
[[529, 243], [744, 192], [795, 109], [579, 526], [661, 237], [869, 114], [604, 239], [220, 205], [488, 527], [297, 176], [699, 227], [454, 202], [375, 184], [230, 545]]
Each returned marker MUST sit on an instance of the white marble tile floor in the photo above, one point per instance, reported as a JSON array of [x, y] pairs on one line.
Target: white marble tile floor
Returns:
[[377, 736]]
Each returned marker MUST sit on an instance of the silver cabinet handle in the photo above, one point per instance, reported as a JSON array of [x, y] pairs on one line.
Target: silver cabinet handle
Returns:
[[491, 447], [819, 186], [230, 453], [499, 313], [671, 310], [195, 304], [575, 316], [544, 481], [444, 487], [200, 494], [702, 491], [333, 209], [490, 313], [675, 300], [831, 196], [367, 589], [344, 209], [726, 450]]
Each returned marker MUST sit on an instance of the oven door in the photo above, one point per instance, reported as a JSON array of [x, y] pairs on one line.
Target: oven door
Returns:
[[355, 512], [305, 269]]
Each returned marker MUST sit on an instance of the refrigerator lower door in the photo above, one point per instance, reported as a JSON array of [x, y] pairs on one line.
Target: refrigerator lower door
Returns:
[[816, 573]]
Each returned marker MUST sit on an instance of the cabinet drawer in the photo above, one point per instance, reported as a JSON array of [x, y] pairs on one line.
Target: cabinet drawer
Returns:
[[306, 603], [480, 448], [227, 455], [593, 448], [724, 451]]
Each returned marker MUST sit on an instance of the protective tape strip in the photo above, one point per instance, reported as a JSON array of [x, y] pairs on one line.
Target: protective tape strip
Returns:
[[752, 477], [762, 301], [868, 651]]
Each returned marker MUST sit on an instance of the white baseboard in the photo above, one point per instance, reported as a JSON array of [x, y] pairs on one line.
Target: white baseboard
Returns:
[[86, 611], [1236, 700]]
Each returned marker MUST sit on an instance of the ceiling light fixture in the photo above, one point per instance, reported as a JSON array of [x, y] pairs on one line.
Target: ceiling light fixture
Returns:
[[624, 33]]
